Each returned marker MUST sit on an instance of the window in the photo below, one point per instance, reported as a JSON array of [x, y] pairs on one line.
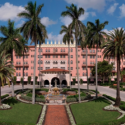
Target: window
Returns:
[[78, 50], [55, 62], [93, 51], [39, 50], [71, 50], [99, 56], [19, 68], [47, 62], [26, 74], [16, 57], [71, 68], [62, 62], [83, 50], [62, 67], [56, 56], [78, 55], [92, 57], [17, 74], [83, 68], [32, 67], [78, 68], [71, 56], [32, 61], [47, 68], [16, 68], [45, 56], [17, 63], [32, 55], [40, 56], [90, 51], [26, 68], [71, 62], [84, 62], [124, 57], [60, 56], [84, 74], [55, 67], [78, 61], [92, 63], [40, 62], [83, 56]]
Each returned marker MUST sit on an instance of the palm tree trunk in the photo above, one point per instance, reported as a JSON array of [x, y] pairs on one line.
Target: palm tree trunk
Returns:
[[77, 70], [117, 103], [12, 76], [69, 65], [39, 65], [33, 95], [87, 69], [0, 94], [23, 73], [96, 72]]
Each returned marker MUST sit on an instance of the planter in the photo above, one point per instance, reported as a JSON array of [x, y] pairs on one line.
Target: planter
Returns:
[[114, 84]]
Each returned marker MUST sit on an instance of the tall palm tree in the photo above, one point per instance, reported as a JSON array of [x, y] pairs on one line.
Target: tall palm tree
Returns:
[[10, 42], [115, 46], [75, 14], [95, 39], [24, 50], [6, 70], [85, 44], [33, 29], [66, 39]]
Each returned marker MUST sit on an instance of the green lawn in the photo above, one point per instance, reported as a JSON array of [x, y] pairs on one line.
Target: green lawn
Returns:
[[90, 112], [22, 113]]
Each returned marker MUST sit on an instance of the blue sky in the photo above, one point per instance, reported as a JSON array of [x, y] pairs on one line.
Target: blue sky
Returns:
[[105, 10]]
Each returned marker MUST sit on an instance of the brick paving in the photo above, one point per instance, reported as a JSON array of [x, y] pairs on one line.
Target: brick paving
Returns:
[[56, 115]]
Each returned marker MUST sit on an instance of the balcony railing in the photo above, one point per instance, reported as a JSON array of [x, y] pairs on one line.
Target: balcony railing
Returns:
[[55, 53], [21, 65], [84, 53]]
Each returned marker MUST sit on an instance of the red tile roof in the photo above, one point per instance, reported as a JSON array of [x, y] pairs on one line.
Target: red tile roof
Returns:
[[55, 70]]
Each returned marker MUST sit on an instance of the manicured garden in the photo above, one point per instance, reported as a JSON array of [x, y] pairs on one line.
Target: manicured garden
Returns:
[[92, 112], [21, 113]]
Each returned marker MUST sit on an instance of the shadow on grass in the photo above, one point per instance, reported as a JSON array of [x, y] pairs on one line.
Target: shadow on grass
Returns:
[[10, 101], [102, 100]]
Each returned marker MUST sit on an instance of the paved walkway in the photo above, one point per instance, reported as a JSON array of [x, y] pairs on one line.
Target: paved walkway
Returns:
[[56, 115]]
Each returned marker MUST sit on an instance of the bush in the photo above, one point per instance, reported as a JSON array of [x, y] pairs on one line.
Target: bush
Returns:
[[95, 91], [122, 104], [45, 89], [123, 89], [4, 96], [27, 91], [122, 83], [37, 96], [68, 100], [113, 122], [116, 79], [104, 84], [73, 89], [30, 98]]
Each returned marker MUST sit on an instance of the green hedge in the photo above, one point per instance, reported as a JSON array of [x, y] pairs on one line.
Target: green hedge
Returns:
[[73, 89], [30, 98], [95, 91], [37, 96], [44, 89], [75, 96], [4, 96], [122, 104], [113, 122]]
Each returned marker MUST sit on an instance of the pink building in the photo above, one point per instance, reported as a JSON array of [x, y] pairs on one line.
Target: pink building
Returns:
[[55, 56]]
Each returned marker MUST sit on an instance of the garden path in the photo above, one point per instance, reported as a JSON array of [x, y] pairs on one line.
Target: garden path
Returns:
[[56, 115]]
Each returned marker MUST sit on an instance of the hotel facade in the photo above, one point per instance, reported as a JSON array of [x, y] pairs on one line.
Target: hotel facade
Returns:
[[52, 62]]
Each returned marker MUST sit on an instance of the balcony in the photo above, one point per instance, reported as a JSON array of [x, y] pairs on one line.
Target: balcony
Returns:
[[84, 53], [21, 65], [55, 53], [25, 54]]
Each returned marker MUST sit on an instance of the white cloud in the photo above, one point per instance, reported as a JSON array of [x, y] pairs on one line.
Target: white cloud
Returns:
[[122, 9], [93, 13], [55, 37], [86, 4], [10, 11], [46, 21], [68, 20], [112, 8]]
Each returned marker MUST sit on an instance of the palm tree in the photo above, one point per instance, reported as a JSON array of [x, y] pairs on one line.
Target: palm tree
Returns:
[[95, 39], [34, 30], [6, 70], [10, 42], [84, 44], [78, 26], [66, 39], [24, 50], [115, 46]]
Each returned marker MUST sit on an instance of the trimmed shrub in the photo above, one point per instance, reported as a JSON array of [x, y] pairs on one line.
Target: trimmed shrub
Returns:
[[113, 122], [28, 91], [30, 98], [122, 104], [73, 89], [4, 96], [68, 100], [95, 91]]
